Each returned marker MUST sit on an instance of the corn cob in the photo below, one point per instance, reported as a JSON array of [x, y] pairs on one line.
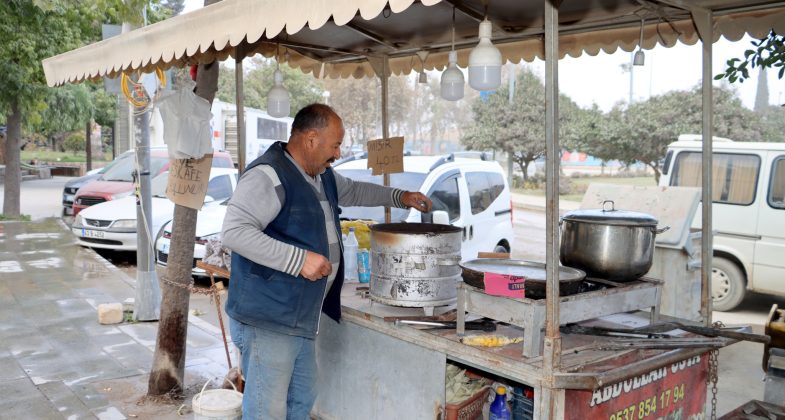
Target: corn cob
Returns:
[[490, 340]]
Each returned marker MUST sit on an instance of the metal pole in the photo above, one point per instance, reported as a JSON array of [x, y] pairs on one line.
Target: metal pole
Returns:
[[552, 341], [511, 69], [238, 75], [385, 78], [147, 302], [704, 25]]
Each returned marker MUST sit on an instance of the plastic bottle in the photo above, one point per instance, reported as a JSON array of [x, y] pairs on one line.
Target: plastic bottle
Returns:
[[363, 266], [499, 409], [350, 247]]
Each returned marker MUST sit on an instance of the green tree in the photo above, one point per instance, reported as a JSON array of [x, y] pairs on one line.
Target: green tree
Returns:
[[358, 103], [517, 128], [67, 109], [74, 143], [642, 132], [303, 88], [32, 31], [767, 52]]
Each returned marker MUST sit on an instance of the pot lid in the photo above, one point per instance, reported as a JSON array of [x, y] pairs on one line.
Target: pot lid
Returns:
[[610, 216]]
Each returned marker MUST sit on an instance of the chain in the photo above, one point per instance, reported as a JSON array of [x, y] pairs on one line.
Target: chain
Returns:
[[210, 291], [713, 376]]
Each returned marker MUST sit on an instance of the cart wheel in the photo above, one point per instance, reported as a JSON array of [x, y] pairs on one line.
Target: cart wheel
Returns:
[[728, 284]]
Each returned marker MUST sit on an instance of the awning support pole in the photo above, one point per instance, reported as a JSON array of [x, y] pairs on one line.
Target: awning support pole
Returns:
[[552, 341], [381, 66], [239, 99], [704, 22]]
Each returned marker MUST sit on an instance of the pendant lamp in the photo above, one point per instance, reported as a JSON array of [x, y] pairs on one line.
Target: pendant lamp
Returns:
[[278, 96], [452, 79], [485, 61], [639, 57]]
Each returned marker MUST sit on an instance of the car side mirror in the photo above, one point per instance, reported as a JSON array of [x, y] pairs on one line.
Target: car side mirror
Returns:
[[440, 217]]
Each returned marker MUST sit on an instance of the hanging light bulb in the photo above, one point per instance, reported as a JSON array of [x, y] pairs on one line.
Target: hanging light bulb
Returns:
[[452, 79], [639, 57], [423, 77], [485, 61], [278, 96]]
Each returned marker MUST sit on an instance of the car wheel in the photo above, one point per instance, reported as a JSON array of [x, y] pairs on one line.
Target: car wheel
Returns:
[[501, 248], [727, 284]]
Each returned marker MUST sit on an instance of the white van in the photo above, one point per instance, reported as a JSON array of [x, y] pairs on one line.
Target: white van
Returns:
[[748, 212], [473, 193]]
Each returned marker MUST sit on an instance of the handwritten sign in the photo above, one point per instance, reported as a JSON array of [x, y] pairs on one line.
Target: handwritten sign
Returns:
[[187, 185], [385, 156]]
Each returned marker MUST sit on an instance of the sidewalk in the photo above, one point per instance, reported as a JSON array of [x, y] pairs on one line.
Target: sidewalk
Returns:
[[56, 361]]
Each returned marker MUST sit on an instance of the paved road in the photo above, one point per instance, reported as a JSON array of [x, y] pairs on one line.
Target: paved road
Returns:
[[740, 371]]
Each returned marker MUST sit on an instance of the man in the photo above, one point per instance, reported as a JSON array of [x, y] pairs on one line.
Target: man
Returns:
[[287, 267]]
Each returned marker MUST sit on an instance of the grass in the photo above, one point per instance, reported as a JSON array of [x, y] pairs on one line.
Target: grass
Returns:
[[581, 184], [21, 217], [68, 157]]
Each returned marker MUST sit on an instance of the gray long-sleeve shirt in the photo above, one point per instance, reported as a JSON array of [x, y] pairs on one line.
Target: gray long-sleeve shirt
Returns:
[[258, 200]]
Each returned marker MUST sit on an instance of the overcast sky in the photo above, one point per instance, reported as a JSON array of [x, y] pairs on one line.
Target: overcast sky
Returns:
[[601, 80]]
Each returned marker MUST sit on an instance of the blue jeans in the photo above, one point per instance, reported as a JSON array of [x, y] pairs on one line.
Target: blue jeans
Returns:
[[279, 370]]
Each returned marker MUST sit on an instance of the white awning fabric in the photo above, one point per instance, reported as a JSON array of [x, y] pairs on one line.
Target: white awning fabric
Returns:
[[335, 38]]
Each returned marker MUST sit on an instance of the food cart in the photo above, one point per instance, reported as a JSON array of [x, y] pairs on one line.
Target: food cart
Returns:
[[382, 370]]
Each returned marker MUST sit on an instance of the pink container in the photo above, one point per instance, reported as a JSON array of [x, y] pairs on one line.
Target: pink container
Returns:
[[504, 285]]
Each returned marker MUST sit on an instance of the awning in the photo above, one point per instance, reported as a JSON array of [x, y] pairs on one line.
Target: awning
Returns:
[[334, 38]]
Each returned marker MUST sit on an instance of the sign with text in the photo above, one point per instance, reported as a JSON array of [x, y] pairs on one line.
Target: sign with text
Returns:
[[385, 156], [188, 178], [673, 391]]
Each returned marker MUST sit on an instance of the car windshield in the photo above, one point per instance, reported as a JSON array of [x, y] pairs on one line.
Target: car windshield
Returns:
[[123, 170], [158, 185], [408, 181]]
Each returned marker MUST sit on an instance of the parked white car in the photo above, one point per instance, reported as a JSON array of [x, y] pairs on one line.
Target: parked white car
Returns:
[[471, 194], [112, 224], [209, 221], [748, 213]]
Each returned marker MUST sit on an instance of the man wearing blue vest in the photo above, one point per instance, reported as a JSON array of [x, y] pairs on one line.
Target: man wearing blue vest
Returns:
[[287, 267]]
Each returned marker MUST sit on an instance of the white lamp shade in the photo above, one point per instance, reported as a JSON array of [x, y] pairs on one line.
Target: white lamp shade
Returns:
[[452, 80], [485, 61], [639, 58], [278, 98]]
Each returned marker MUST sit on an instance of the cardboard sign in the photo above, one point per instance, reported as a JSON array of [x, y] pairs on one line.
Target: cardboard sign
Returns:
[[188, 180], [385, 156]]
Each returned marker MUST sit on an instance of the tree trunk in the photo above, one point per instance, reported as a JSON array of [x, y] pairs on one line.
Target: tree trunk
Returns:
[[13, 174], [656, 168], [169, 359], [88, 143]]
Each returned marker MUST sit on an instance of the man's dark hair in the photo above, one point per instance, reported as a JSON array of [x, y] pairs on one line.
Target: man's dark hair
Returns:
[[313, 116]]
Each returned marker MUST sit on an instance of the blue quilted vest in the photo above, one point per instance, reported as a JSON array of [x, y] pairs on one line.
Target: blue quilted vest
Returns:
[[273, 300]]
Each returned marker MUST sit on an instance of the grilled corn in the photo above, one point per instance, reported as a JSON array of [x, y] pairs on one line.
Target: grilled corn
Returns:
[[490, 340]]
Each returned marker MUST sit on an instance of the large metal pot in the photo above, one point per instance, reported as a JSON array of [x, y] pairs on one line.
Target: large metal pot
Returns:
[[608, 243], [415, 264]]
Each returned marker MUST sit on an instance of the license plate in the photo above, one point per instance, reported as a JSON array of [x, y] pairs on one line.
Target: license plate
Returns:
[[165, 247], [86, 233]]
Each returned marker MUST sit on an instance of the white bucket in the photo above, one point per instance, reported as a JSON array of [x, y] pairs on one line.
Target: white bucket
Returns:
[[217, 404]]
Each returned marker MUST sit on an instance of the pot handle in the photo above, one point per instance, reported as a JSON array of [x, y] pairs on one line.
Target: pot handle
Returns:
[[454, 260], [613, 205], [660, 230]]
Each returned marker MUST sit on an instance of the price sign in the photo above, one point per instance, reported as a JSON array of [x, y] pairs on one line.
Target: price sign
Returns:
[[385, 156], [188, 178]]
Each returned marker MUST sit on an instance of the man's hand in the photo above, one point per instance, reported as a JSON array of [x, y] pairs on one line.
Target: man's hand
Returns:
[[417, 201], [316, 266]]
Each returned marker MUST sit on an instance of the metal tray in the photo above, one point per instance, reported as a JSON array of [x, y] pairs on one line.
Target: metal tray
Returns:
[[570, 279]]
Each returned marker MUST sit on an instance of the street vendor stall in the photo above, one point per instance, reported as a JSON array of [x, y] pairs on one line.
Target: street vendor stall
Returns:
[[382, 370]]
